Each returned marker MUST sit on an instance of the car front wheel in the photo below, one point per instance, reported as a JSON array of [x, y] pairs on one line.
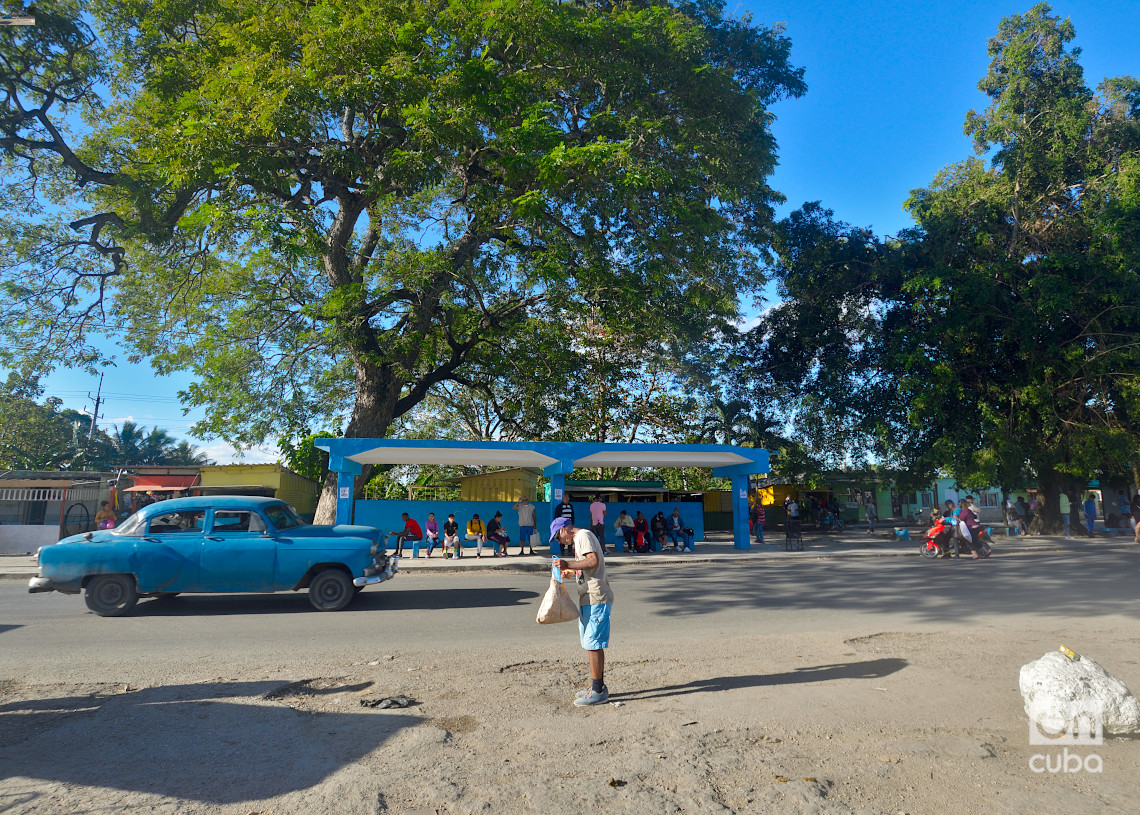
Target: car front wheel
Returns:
[[111, 595], [331, 590]]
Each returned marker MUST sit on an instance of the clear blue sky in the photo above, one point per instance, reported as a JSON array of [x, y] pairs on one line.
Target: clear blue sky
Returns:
[[889, 84]]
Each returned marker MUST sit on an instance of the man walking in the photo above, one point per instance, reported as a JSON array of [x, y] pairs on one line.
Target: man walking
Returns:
[[588, 568]]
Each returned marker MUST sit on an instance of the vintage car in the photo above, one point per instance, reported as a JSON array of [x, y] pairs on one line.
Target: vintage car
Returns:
[[220, 543]]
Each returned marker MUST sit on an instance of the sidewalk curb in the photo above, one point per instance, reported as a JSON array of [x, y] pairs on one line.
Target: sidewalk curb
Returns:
[[863, 552]]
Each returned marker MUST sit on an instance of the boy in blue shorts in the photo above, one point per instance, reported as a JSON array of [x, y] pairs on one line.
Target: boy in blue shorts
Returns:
[[588, 568]]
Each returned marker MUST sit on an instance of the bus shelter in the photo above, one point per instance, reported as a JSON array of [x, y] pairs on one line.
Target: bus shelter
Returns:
[[557, 460]]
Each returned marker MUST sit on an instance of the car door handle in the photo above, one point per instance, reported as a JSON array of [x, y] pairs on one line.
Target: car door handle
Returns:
[[212, 538]]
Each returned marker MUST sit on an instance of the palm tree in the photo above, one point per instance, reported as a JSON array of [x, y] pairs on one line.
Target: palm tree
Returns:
[[726, 422], [157, 446], [128, 442], [186, 454]]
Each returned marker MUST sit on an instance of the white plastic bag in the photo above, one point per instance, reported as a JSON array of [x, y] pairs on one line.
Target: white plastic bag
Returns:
[[557, 606]]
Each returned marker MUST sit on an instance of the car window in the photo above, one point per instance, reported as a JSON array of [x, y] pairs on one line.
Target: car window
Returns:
[[189, 521], [229, 520], [283, 516]]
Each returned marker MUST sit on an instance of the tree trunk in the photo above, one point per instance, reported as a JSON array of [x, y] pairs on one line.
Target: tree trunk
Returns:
[[1048, 518], [372, 414]]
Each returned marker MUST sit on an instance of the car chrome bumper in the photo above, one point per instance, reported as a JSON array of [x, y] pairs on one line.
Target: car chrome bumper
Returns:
[[38, 584], [387, 574]]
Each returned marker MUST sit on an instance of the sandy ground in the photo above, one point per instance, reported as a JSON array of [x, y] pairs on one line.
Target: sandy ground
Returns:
[[899, 721]]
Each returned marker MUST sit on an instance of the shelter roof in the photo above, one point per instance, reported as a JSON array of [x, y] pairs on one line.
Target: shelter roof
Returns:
[[549, 456]]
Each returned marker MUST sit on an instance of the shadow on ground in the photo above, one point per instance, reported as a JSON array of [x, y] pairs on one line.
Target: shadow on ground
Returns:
[[872, 669], [1087, 584], [216, 743], [375, 599]]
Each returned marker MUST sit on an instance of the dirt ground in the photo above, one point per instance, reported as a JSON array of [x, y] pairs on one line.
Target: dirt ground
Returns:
[[860, 721]]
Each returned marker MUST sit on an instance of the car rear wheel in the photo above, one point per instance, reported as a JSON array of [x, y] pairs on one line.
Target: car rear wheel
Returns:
[[111, 595], [331, 590]]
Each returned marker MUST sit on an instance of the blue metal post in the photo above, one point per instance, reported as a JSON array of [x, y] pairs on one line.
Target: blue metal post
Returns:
[[740, 537], [346, 472]]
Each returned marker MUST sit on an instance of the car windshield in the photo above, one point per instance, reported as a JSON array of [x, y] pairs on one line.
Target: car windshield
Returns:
[[132, 526], [283, 516]]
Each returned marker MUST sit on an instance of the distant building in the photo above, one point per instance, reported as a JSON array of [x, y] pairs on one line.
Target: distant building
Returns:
[[261, 479], [40, 507]]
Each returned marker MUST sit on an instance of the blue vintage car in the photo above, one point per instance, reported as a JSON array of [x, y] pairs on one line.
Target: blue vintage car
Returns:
[[221, 543]]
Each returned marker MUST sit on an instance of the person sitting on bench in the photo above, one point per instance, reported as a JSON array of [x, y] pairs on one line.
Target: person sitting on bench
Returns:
[[641, 527], [410, 532], [497, 535], [451, 537], [675, 526], [477, 532], [624, 526], [432, 527]]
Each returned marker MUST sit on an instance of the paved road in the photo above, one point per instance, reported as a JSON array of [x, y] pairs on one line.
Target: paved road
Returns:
[[53, 637]]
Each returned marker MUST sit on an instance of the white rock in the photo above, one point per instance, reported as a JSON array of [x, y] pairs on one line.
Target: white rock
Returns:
[[1053, 685]]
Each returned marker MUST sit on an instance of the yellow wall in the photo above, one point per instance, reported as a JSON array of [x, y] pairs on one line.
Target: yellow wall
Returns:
[[776, 494], [299, 491], [505, 485]]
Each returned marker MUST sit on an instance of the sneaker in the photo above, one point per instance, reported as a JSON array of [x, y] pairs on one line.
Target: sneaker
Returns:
[[592, 698]]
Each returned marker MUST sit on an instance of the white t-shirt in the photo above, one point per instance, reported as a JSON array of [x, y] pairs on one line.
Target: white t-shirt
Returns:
[[596, 588]]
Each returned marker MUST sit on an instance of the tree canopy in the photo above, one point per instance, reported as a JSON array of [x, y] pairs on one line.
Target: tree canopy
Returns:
[[327, 208], [1000, 338]]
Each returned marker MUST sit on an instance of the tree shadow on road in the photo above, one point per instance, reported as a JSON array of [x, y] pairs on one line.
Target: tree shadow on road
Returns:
[[871, 669], [215, 743], [1073, 585], [382, 599]]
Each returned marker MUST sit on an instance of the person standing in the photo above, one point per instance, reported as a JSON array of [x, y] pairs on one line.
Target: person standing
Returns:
[[105, 517], [1090, 513], [759, 515], [598, 521], [527, 524], [1064, 505], [564, 508], [595, 599], [872, 513], [1021, 515]]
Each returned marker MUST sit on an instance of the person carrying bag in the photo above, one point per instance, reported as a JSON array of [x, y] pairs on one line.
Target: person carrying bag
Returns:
[[557, 606]]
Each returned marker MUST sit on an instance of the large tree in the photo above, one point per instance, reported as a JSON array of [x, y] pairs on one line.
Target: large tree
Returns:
[[327, 207], [1000, 338]]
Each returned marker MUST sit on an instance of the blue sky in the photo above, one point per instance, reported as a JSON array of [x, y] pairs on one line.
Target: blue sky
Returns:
[[889, 84]]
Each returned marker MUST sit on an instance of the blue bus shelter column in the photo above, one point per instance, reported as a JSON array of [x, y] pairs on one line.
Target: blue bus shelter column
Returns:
[[346, 472], [740, 536], [557, 474]]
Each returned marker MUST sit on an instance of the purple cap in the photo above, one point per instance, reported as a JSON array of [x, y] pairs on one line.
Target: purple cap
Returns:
[[556, 526]]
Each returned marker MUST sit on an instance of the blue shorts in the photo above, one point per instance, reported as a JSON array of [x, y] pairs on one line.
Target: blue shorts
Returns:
[[525, 532], [594, 626]]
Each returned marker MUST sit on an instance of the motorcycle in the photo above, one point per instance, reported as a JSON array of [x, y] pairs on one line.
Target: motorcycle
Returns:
[[937, 542], [831, 523]]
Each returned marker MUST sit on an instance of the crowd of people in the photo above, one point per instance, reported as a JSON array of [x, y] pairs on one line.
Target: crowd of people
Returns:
[[632, 533]]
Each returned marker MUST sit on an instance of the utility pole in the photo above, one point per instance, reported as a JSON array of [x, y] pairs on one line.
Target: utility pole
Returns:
[[95, 413]]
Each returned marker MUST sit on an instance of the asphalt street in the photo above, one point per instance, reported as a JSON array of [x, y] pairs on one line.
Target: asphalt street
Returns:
[[52, 637]]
